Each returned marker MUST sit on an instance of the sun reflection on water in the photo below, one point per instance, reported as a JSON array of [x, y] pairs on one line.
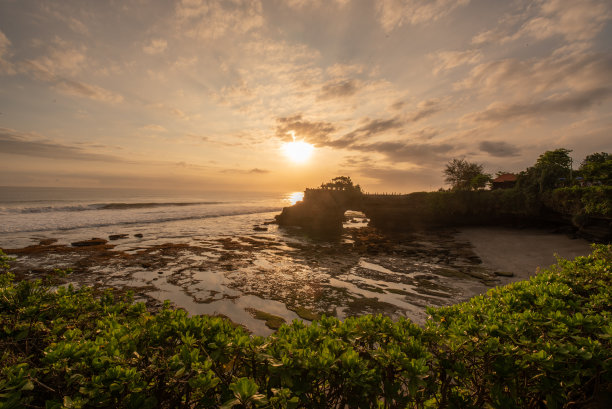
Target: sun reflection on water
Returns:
[[295, 197]]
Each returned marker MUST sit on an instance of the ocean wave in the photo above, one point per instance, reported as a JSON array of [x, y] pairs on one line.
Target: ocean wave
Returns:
[[167, 218], [101, 206], [121, 206]]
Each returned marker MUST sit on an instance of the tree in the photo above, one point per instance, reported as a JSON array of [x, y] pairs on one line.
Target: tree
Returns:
[[597, 167], [597, 157], [341, 183], [550, 168], [558, 158], [463, 175], [480, 181]]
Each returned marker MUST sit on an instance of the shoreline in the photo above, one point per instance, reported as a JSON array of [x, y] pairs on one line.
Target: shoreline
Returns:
[[262, 279], [521, 251]]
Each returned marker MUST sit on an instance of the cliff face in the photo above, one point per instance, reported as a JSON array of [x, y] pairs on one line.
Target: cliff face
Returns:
[[320, 211], [323, 211]]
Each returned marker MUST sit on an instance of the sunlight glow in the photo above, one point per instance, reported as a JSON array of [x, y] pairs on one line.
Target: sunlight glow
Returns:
[[295, 197], [297, 151]]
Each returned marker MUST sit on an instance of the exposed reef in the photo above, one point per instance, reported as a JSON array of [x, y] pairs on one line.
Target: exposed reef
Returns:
[[261, 280]]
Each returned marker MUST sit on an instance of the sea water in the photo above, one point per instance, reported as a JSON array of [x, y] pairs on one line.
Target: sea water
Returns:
[[28, 214]]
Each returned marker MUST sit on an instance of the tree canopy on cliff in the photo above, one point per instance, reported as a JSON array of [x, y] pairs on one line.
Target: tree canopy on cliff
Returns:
[[341, 183], [549, 169], [597, 167]]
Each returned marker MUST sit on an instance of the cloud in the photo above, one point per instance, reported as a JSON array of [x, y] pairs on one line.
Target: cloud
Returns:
[[320, 134], [503, 27], [339, 70], [575, 70], [63, 12], [261, 77], [426, 133], [81, 89], [208, 20], [254, 171], [6, 67], [259, 171], [156, 46], [393, 14], [572, 103], [173, 111], [446, 60], [154, 128], [61, 60], [372, 127], [397, 105], [60, 64], [338, 89], [425, 109], [182, 63], [399, 151], [317, 133], [302, 4], [13, 142], [499, 148], [572, 20]]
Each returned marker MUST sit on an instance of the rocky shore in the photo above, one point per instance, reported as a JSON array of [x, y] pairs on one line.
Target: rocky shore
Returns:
[[269, 277], [322, 211]]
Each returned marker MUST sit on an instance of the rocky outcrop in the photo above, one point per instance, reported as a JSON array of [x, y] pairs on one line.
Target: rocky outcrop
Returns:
[[93, 242], [321, 210]]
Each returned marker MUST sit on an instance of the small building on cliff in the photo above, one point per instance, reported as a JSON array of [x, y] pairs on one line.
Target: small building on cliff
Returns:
[[504, 181]]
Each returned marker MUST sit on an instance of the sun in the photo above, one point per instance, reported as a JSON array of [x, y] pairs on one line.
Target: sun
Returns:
[[297, 151]]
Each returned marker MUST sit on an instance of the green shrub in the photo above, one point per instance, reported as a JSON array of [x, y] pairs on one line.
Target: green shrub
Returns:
[[577, 200], [542, 342]]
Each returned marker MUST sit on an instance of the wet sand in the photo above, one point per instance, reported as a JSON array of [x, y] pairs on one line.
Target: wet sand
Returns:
[[261, 279], [521, 251]]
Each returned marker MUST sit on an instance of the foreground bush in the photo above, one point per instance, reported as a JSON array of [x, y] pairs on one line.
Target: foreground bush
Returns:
[[538, 343]]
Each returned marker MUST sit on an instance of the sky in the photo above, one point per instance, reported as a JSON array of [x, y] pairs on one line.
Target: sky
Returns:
[[205, 95]]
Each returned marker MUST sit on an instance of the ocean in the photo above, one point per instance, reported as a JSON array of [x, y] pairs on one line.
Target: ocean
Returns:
[[70, 214]]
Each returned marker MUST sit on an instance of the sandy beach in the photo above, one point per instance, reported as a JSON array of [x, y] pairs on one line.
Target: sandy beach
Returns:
[[521, 251]]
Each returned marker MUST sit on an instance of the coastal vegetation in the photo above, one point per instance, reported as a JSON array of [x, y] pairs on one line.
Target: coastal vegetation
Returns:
[[550, 192], [463, 175], [542, 342]]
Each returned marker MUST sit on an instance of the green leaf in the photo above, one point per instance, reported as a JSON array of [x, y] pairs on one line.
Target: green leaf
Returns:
[[230, 404], [28, 386]]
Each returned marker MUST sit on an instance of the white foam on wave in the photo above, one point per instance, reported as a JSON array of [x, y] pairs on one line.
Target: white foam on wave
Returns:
[[102, 217], [98, 206]]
